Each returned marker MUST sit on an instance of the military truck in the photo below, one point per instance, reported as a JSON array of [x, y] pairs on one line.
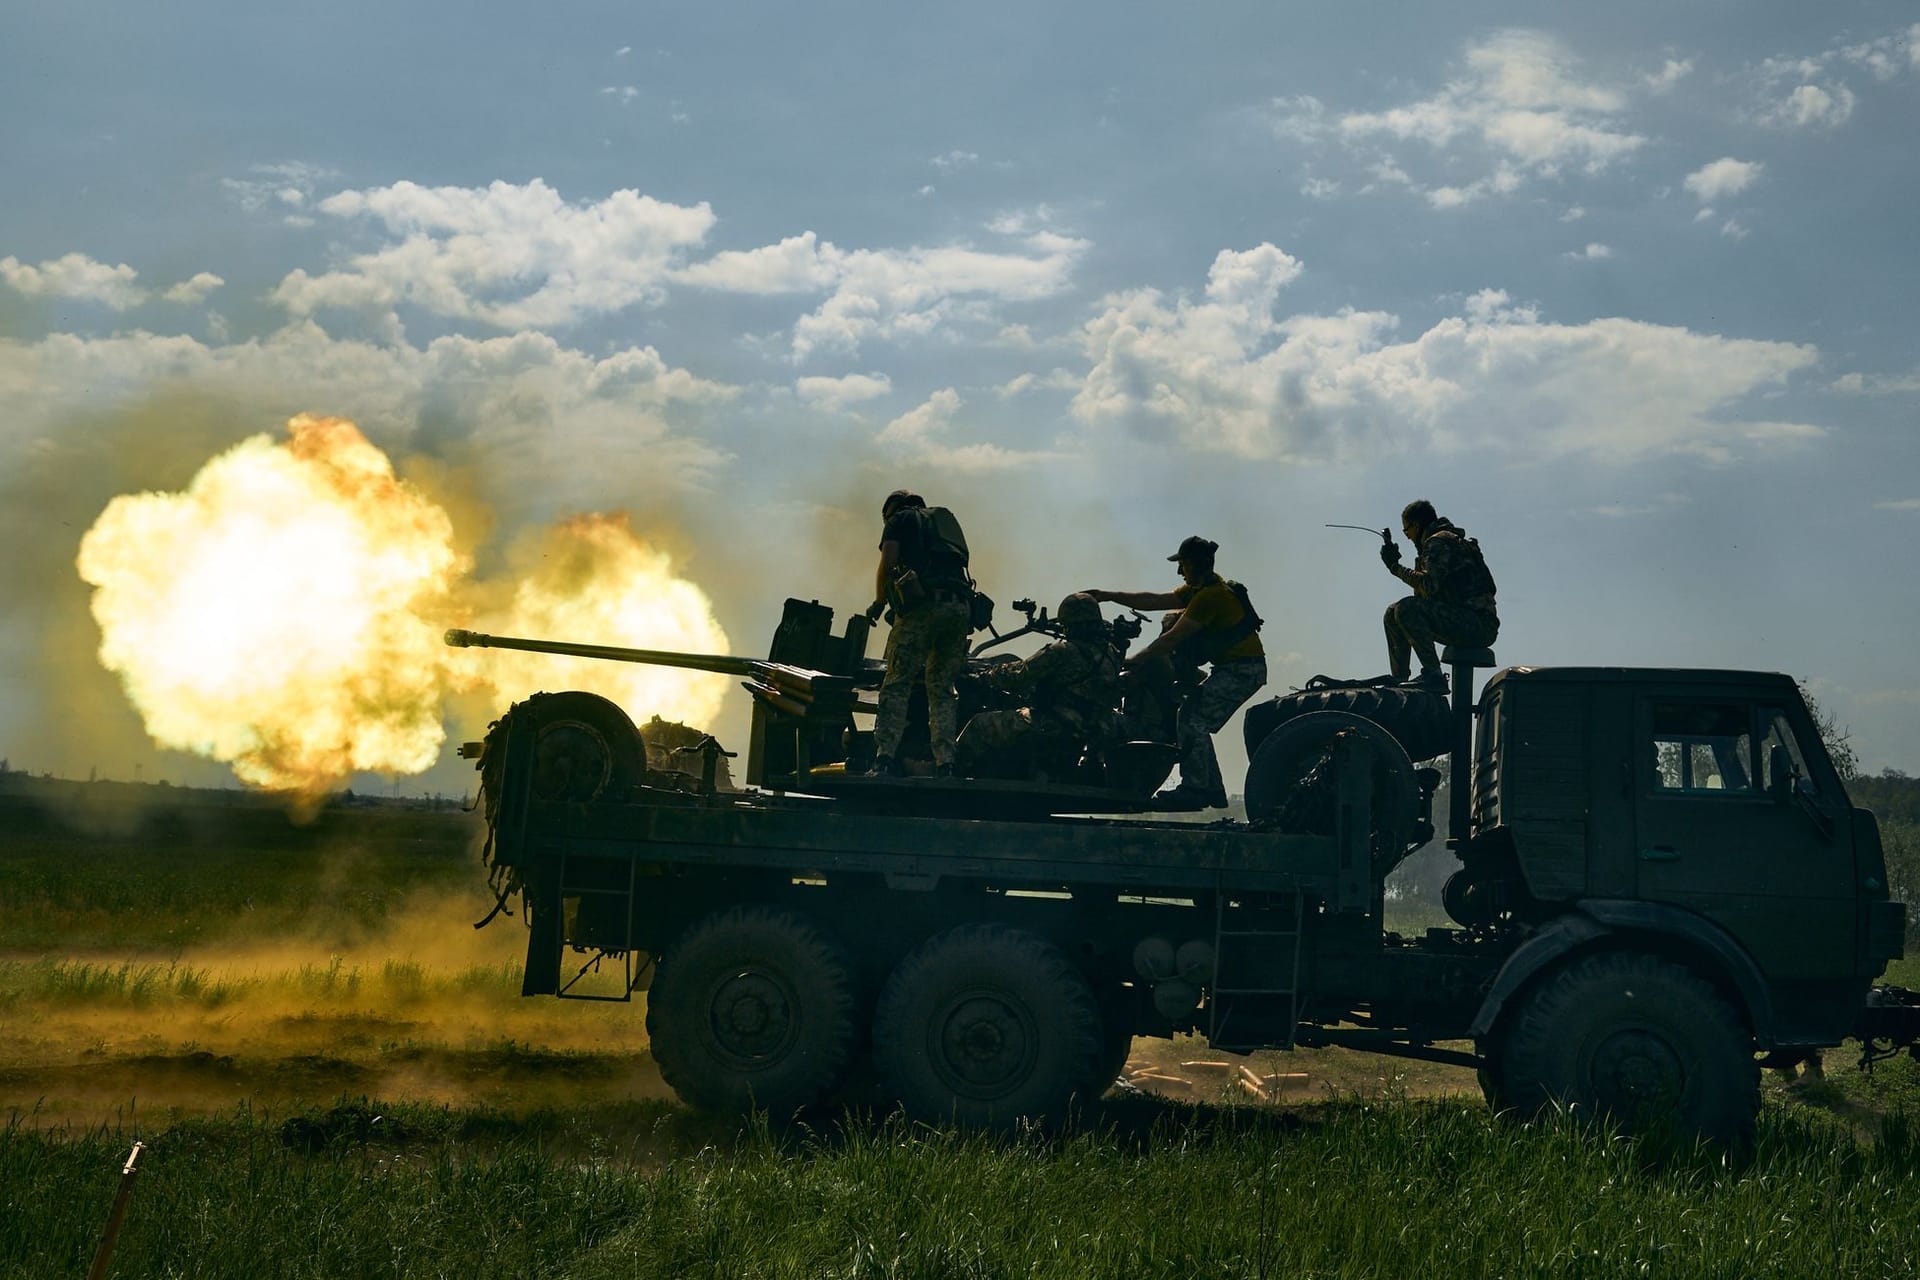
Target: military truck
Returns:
[[1663, 886]]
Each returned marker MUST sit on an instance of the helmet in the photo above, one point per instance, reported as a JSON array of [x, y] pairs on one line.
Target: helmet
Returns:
[[1079, 609], [900, 498]]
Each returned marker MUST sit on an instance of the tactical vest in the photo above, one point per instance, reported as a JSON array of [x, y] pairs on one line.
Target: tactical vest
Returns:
[[1208, 646]]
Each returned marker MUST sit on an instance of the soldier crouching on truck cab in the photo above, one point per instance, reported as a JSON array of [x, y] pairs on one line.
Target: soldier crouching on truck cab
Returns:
[[923, 578], [1072, 692], [1452, 600], [1217, 626]]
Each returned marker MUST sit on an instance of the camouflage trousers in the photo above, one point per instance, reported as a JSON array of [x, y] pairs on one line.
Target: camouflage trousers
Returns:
[[1206, 711], [1414, 624], [928, 644]]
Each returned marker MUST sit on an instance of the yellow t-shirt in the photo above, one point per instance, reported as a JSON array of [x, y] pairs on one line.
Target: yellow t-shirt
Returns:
[[1214, 606]]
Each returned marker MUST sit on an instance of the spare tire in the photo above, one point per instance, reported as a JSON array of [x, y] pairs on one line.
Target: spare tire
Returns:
[[1291, 783], [1419, 719], [585, 748]]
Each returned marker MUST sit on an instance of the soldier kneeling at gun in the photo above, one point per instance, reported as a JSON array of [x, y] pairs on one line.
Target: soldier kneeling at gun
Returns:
[[1072, 690]]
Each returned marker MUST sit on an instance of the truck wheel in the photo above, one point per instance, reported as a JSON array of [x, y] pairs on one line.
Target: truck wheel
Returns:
[[1635, 1038], [984, 1024], [753, 1007]]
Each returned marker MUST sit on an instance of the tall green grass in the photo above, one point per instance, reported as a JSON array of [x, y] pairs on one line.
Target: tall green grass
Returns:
[[1424, 1190]]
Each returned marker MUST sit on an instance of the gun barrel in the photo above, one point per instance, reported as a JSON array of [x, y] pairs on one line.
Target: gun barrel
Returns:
[[720, 663]]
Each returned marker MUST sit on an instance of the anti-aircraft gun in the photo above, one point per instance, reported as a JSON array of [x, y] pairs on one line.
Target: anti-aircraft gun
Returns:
[[1663, 879], [804, 736]]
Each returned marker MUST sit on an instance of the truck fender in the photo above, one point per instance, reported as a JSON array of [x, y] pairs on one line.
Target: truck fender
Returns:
[[1560, 937], [1595, 918]]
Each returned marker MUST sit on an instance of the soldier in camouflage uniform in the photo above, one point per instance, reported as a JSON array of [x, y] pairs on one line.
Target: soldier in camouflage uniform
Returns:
[[928, 639], [1452, 601], [1217, 628], [1072, 689]]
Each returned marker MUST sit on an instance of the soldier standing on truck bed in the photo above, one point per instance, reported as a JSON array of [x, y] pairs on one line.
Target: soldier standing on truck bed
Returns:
[[1452, 600], [923, 578], [1072, 693], [1217, 626]]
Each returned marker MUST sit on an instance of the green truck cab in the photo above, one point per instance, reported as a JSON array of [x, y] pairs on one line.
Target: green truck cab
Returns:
[[1662, 886]]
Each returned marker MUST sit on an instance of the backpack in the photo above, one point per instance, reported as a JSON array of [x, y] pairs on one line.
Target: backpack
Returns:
[[943, 537], [1470, 578]]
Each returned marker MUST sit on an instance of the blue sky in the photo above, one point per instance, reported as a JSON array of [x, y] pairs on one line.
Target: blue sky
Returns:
[[1626, 290]]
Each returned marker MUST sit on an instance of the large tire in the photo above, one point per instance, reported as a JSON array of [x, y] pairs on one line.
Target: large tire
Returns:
[[984, 1025], [585, 748], [1419, 720], [753, 1007], [1636, 1038], [1291, 784]]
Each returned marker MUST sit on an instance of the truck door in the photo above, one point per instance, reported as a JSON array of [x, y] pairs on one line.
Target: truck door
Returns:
[[1716, 832]]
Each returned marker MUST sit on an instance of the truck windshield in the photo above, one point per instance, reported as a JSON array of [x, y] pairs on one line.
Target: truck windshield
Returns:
[[1703, 746], [1779, 734]]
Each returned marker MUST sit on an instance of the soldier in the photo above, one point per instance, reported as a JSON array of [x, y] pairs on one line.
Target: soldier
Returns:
[[1072, 691], [1217, 626], [923, 577], [1452, 600]]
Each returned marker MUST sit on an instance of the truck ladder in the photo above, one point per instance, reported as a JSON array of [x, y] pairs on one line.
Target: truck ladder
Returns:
[[1259, 1005], [624, 898]]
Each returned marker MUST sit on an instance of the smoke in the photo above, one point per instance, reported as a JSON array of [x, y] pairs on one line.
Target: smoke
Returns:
[[416, 1005]]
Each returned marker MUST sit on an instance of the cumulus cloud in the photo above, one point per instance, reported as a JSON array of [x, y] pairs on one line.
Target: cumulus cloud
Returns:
[[1520, 109], [1810, 92], [1898, 504], [78, 277], [285, 187], [1876, 384], [887, 293], [1592, 253], [1722, 178], [508, 255], [1671, 73], [565, 428], [1052, 380], [194, 290], [1232, 374], [1811, 105], [920, 435], [838, 394], [955, 160]]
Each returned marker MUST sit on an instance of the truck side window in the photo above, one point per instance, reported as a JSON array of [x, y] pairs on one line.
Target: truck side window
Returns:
[[1778, 733], [1702, 746]]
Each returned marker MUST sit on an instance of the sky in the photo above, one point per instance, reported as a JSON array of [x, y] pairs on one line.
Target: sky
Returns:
[[1625, 290]]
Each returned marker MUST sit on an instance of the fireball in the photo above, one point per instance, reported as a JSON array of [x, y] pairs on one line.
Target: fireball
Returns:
[[283, 614]]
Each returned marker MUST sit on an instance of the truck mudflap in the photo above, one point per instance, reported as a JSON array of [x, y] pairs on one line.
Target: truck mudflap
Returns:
[[1889, 1025]]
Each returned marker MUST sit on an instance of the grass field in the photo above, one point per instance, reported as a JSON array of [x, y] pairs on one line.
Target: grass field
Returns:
[[337, 1077]]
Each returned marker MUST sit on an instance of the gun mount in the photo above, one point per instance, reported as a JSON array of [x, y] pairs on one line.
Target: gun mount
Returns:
[[804, 736]]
